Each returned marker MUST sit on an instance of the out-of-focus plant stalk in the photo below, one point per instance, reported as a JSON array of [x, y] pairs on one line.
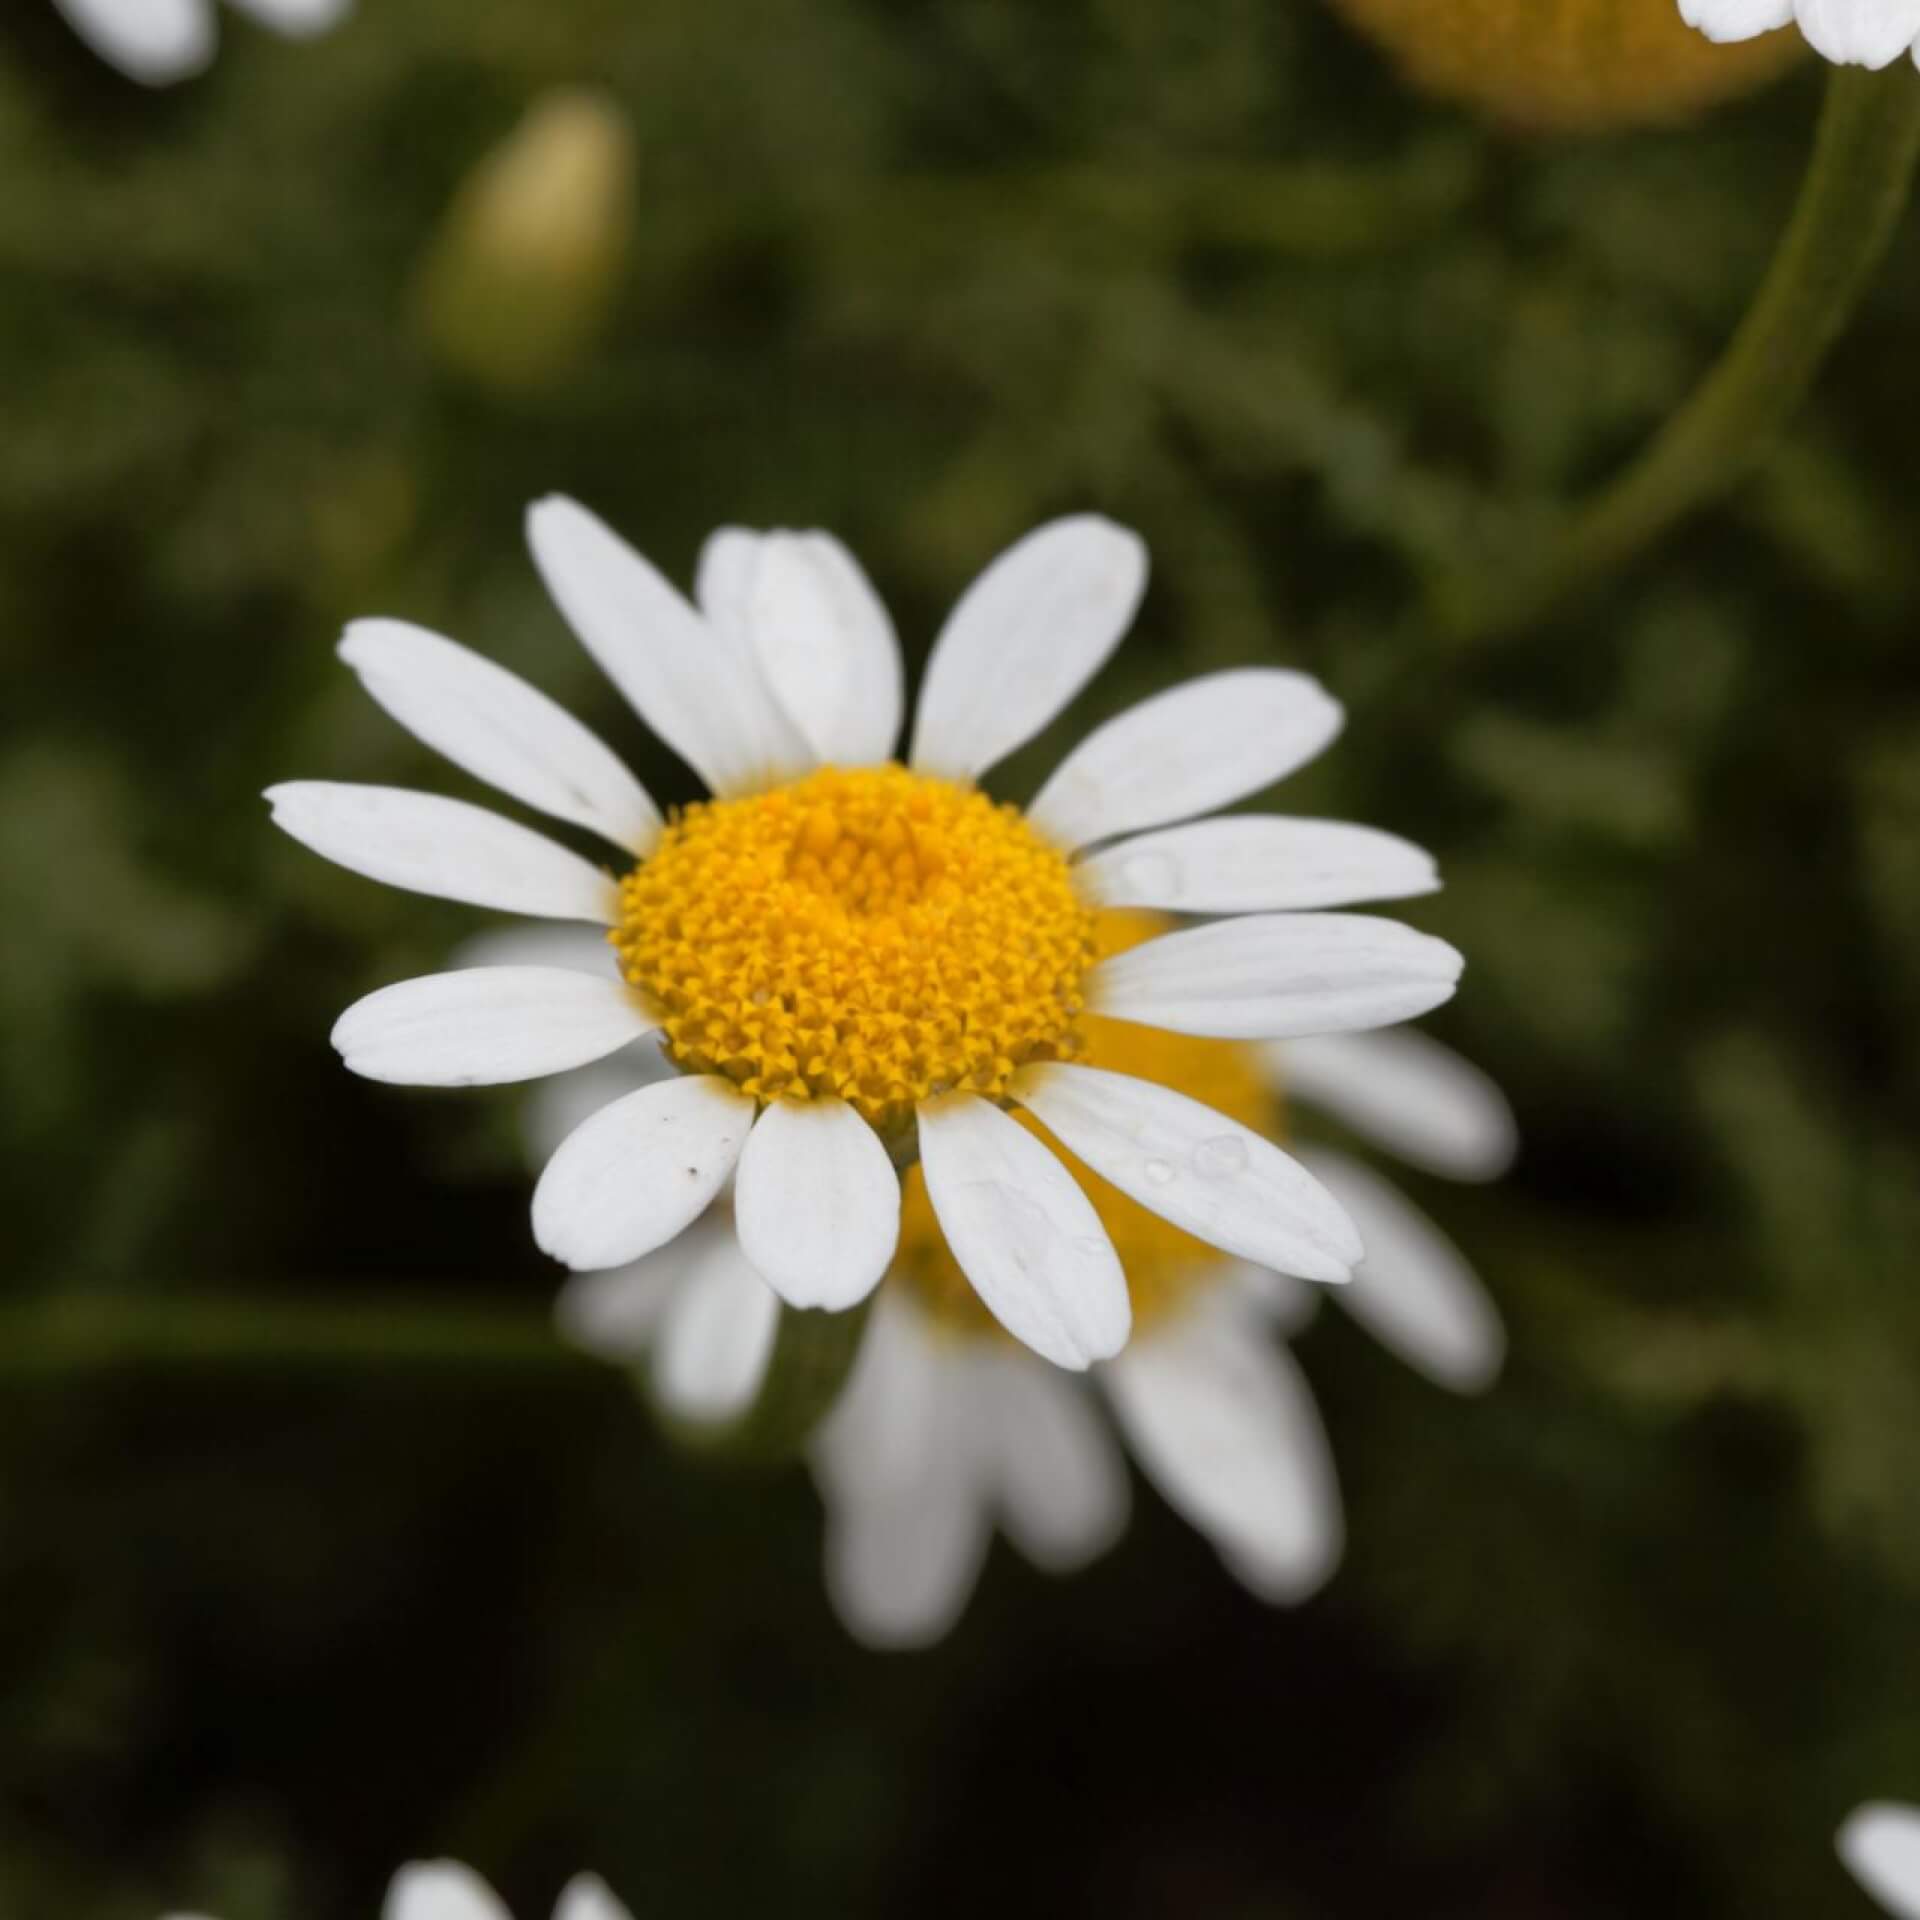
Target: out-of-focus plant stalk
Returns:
[[1856, 187]]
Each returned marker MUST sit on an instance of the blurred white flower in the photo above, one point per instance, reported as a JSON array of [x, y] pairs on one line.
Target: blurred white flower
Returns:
[[851, 962], [159, 41], [948, 1428], [445, 1890], [1860, 33], [1880, 1844]]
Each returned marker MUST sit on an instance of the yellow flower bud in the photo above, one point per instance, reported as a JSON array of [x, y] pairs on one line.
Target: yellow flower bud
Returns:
[[520, 279], [1568, 64]]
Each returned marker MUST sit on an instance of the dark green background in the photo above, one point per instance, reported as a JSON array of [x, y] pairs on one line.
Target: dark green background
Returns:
[[1629, 1636]]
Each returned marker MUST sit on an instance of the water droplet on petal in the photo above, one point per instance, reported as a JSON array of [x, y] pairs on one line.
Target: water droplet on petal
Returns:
[[1159, 1171], [1225, 1153]]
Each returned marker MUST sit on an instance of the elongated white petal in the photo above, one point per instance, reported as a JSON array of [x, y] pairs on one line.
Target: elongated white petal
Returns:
[[900, 1570], [691, 680], [631, 1177], [152, 41], [496, 727], [1223, 1424], [1186, 751], [1024, 1234], [485, 1026], [1880, 1844], [296, 18], [1256, 863], [818, 1203], [613, 1315], [441, 1890], [428, 844], [1736, 19], [1406, 1093], [714, 1340], [1273, 976], [1864, 33], [588, 1897], [1063, 1484], [1212, 1177], [1028, 634], [1414, 1292], [824, 644], [541, 943]]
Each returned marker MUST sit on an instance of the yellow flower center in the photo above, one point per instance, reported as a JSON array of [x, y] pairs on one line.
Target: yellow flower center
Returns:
[[1164, 1266], [869, 933]]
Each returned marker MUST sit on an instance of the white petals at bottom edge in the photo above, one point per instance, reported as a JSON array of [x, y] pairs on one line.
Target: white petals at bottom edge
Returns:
[[1025, 1235], [1414, 1292], [817, 1202], [639, 1171], [446, 1890], [1880, 1844], [1223, 1423]]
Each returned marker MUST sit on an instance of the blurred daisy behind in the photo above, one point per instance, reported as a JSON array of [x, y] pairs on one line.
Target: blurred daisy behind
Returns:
[[1880, 1845], [948, 1428], [445, 1890], [159, 41], [851, 964]]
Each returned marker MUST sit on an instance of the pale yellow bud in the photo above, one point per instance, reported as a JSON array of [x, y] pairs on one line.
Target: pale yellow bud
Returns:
[[1568, 64], [519, 281]]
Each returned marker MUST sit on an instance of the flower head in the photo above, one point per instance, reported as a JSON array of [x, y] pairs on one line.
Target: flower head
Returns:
[[850, 963], [1880, 1845], [159, 41], [1859, 33]]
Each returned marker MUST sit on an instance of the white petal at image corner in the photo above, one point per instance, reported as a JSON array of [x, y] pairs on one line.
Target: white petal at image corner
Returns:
[[160, 42], [1864, 33], [1880, 1846]]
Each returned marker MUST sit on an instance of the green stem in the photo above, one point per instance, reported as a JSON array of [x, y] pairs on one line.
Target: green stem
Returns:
[[1857, 184], [813, 1353]]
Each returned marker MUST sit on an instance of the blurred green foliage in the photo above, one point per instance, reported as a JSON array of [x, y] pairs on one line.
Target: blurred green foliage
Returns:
[[1629, 1636]]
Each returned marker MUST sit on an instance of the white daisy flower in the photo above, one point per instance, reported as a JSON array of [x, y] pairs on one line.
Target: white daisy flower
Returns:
[[853, 963], [1880, 1844], [947, 1427], [445, 1890], [159, 41], [1859, 33]]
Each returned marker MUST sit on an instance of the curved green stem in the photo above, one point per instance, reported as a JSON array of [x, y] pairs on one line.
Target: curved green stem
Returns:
[[1856, 185]]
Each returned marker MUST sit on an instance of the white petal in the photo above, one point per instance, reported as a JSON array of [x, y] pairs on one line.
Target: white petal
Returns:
[[1024, 1234], [690, 679], [1185, 752], [1223, 1424], [818, 1203], [614, 1315], [297, 18], [1880, 1844], [1256, 863], [1867, 33], [1219, 1181], [716, 1336], [1273, 976], [554, 1108], [152, 41], [1406, 1093], [900, 1570], [588, 1897], [1414, 1292], [541, 943], [433, 845], [1063, 1484], [639, 1171], [441, 1890], [485, 1026], [1028, 634], [493, 725], [824, 644], [1736, 19]]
